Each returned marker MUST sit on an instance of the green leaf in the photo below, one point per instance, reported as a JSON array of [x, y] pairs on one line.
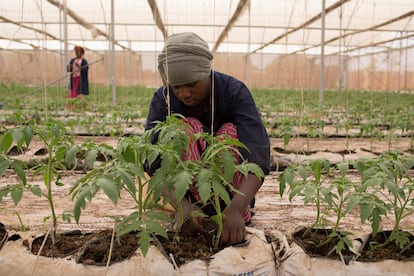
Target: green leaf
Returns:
[[16, 195], [4, 165], [245, 168], [128, 154], [80, 202], [375, 221], [168, 162], [59, 183], [4, 192], [216, 219], [28, 135], [35, 190], [136, 170], [282, 184], [91, 157], [131, 223], [219, 189], [286, 177], [127, 179], [203, 184], [340, 246], [152, 156], [302, 172], [71, 154], [354, 200], [228, 165], [60, 152], [310, 193], [158, 215], [17, 135], [6, 141], [66, 217], [366, 211], [343, 168], [157, 228], [109, 188], [19, 171], [182, 182], [295, 191], [144, 240]]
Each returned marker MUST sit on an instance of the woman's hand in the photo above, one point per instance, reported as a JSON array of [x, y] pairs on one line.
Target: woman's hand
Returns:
[[234, 229]]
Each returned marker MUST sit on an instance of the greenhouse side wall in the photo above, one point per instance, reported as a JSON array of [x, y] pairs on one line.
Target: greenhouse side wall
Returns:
[[386, 72]]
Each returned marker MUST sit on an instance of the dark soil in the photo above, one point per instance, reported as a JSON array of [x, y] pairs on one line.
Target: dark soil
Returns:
[[3, 234], [391, 251], [93, 248], [89, 248], [185, 248], [311, 245], [316, 244]]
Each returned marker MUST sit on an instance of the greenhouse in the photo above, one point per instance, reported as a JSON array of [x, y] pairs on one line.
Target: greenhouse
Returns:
[[127, 125]]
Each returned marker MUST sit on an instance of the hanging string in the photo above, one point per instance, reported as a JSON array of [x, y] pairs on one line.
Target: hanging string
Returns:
[[167, 84], [212, 98]]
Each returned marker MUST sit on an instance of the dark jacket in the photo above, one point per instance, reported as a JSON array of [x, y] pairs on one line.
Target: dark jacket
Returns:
[[233, 104]]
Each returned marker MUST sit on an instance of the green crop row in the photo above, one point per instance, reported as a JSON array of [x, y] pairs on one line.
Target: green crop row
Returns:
[[286, 113]]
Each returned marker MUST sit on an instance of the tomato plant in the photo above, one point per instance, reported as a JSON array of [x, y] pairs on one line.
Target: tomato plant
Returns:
[[388, 187], [57, 142], [328, 187]]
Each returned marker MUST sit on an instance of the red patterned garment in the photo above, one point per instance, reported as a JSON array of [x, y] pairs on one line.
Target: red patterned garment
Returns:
[[196, 148]]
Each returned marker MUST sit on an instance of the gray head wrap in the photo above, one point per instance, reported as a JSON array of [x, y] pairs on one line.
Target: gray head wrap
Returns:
[[184, 59]]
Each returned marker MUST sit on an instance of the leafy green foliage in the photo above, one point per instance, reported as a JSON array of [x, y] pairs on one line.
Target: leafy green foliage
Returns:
[[212, 174], [328, 187], [125, 172], [388, 187], [57, 141]]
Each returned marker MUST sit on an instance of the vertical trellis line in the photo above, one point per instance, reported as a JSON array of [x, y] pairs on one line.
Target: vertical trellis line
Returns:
[[112, 49], [167, 84], [322, 68], [212, 98]]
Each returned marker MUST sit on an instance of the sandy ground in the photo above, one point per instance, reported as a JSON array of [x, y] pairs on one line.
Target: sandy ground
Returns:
[[272, 210]]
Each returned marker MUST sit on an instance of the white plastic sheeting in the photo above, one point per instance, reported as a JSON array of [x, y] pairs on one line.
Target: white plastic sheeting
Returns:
[[268, 26]]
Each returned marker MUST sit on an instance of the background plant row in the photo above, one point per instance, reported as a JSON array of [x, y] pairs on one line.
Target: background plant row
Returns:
[[286, 113]]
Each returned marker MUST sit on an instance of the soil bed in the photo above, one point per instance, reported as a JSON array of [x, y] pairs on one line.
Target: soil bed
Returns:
[[315, 244], [93, 248], [388, 252], [89, 248]]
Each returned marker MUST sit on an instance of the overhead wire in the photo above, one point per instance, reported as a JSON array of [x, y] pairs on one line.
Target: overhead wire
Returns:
[[371, 28], [241, 6], [303, 25]]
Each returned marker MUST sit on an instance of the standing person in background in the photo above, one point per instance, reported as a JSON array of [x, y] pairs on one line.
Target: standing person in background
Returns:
[[196, 91], [78, 68]]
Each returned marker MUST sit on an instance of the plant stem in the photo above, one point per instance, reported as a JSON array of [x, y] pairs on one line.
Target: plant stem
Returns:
[[219, 220], [49, 193], [318, 213], [22, 226]]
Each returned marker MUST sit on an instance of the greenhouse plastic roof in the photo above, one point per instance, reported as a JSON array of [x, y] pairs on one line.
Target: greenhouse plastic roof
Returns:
[[255, 26]]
